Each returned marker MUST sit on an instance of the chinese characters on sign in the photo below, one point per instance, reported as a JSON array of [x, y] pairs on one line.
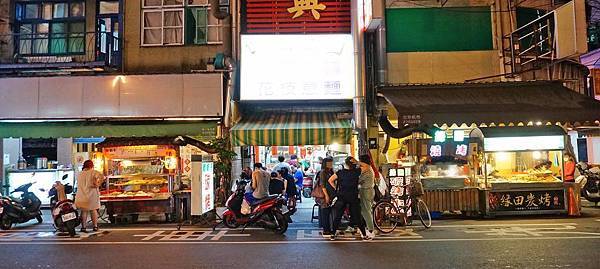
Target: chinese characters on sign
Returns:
[[301, 5], [527, 200], [435, 151], [411, 119], [461, 150], [208, 200]]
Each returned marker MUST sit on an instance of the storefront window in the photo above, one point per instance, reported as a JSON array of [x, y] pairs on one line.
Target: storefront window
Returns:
[[50, 27]]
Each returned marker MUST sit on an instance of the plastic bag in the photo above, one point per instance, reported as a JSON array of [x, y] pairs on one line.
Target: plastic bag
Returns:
[[381, 185], [246, 209]]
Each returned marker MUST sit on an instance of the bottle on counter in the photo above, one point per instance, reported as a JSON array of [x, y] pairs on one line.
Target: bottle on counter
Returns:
[[21, 163]]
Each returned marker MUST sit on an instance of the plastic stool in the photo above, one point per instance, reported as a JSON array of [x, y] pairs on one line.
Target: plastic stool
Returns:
[[314, 217]]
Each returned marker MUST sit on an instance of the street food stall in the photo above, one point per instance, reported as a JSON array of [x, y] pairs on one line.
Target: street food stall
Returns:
[[447, 172], [522, 170]]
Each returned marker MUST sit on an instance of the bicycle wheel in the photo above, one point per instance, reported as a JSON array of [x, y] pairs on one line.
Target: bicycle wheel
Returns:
[[423, 212], [384, 215]]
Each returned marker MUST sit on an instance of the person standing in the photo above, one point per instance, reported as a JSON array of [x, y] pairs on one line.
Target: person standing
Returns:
[[260, 182], [282, 164], [569, 168], [87, 198], [347, 195], [325, 216], [366, 183]]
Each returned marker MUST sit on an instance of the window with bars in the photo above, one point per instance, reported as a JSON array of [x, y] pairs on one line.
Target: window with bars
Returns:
[[178, 22], [50, 27]]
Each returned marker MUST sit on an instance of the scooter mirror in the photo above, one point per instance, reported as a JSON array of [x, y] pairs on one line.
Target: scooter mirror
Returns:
[[42, 189], [65, 177]]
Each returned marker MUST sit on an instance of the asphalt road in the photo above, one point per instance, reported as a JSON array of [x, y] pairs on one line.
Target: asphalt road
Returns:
[[531, 242]]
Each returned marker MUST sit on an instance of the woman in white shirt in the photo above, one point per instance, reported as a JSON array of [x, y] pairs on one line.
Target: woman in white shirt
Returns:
[[88, 195]]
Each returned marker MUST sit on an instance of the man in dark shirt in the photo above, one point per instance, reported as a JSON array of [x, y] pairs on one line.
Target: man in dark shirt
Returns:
[[325, 216]]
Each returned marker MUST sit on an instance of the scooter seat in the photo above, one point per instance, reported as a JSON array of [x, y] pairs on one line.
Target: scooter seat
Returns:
[[258, 201]]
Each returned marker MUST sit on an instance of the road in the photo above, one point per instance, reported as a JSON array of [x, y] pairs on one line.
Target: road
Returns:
[[531, 242]]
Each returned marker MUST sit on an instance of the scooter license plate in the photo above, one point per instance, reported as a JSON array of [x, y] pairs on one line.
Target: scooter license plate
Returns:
[[68, 216]]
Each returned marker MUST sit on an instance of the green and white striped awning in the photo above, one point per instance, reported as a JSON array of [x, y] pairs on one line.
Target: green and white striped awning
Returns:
[[291, 129]]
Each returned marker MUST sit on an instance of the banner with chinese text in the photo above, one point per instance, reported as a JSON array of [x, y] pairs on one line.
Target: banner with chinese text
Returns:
[[527, 200]]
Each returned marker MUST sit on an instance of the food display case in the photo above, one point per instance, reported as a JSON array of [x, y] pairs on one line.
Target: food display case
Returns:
[[139, 178], [522, 169]]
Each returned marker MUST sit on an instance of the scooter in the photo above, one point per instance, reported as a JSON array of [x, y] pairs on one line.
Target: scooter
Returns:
[[589, 179], [20, 210], [64, 213], [266, 212]]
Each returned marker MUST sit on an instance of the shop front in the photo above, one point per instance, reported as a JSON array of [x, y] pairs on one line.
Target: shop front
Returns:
[[303, 138], [494, 148], [140, 159]]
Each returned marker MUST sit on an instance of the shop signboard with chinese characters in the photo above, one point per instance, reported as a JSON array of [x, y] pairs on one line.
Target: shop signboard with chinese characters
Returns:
[[208, 198], [526, 201], [202, 181], [297, 67], [456, 149], [296, 16]]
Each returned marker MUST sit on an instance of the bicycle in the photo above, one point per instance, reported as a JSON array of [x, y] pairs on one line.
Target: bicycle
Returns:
[[389, 212]]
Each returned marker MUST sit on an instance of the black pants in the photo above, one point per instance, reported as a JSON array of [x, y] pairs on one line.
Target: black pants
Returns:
[[325, 218], [353, 202]]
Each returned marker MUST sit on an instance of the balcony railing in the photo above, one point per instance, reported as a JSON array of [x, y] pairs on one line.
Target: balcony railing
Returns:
[[60, 50]]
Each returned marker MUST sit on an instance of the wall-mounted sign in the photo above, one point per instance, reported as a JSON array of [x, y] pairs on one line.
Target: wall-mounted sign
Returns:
[[307, 5], [297, 67], [296, 16]]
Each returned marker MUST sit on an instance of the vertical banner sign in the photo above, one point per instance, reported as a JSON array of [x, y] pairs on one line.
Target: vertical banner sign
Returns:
[[208, 198]]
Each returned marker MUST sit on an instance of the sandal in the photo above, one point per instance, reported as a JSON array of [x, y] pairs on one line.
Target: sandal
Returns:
[[95, 229], [83, 230]]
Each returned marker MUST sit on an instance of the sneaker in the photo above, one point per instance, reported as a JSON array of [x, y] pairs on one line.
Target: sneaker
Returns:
[[366, 238], [332, 237], [371, 234], [326, 234], [350, 229]]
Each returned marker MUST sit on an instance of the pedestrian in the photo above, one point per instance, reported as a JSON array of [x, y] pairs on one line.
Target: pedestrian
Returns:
[[366, 193], [291, 190], [347, 195], [282, 164], [87, 198], [277, 184], [569, 168], [299, 177], [325, 216], [260, 182]]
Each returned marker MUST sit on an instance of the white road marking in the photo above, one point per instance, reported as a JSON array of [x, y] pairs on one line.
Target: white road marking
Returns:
[[531, 231], [502, 225], [187, 235], [44, 236], [290, 242]]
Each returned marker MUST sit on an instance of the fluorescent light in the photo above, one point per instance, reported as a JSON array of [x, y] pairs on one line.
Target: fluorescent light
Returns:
[[555, 142]]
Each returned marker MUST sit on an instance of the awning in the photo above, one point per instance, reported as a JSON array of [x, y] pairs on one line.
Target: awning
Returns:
[[107, 129], [487, 103], [291, 129], [152, 140]]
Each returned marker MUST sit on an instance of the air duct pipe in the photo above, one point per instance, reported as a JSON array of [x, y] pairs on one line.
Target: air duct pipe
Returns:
[[359, 100], [226, 34], [380, 41]]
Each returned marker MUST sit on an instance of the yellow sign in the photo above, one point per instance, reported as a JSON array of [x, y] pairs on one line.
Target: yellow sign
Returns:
[[301, 5]]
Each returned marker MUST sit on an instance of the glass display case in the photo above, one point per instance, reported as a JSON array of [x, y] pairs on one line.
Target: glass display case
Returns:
[[523, 167], [143, 178]]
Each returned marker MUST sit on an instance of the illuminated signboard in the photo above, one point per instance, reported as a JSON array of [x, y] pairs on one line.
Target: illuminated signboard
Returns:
[[297, 67], [207, 196], [555, 142]]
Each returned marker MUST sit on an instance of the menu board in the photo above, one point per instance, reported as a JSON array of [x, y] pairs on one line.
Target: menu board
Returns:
[[398, 178], [527, 200]]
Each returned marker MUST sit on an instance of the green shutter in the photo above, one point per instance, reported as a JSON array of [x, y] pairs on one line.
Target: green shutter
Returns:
[[439, 29]]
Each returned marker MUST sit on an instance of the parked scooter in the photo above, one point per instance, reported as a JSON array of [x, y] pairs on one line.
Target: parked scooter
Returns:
[[20, 210], [265, 212], [64, 213], [589, 179]]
